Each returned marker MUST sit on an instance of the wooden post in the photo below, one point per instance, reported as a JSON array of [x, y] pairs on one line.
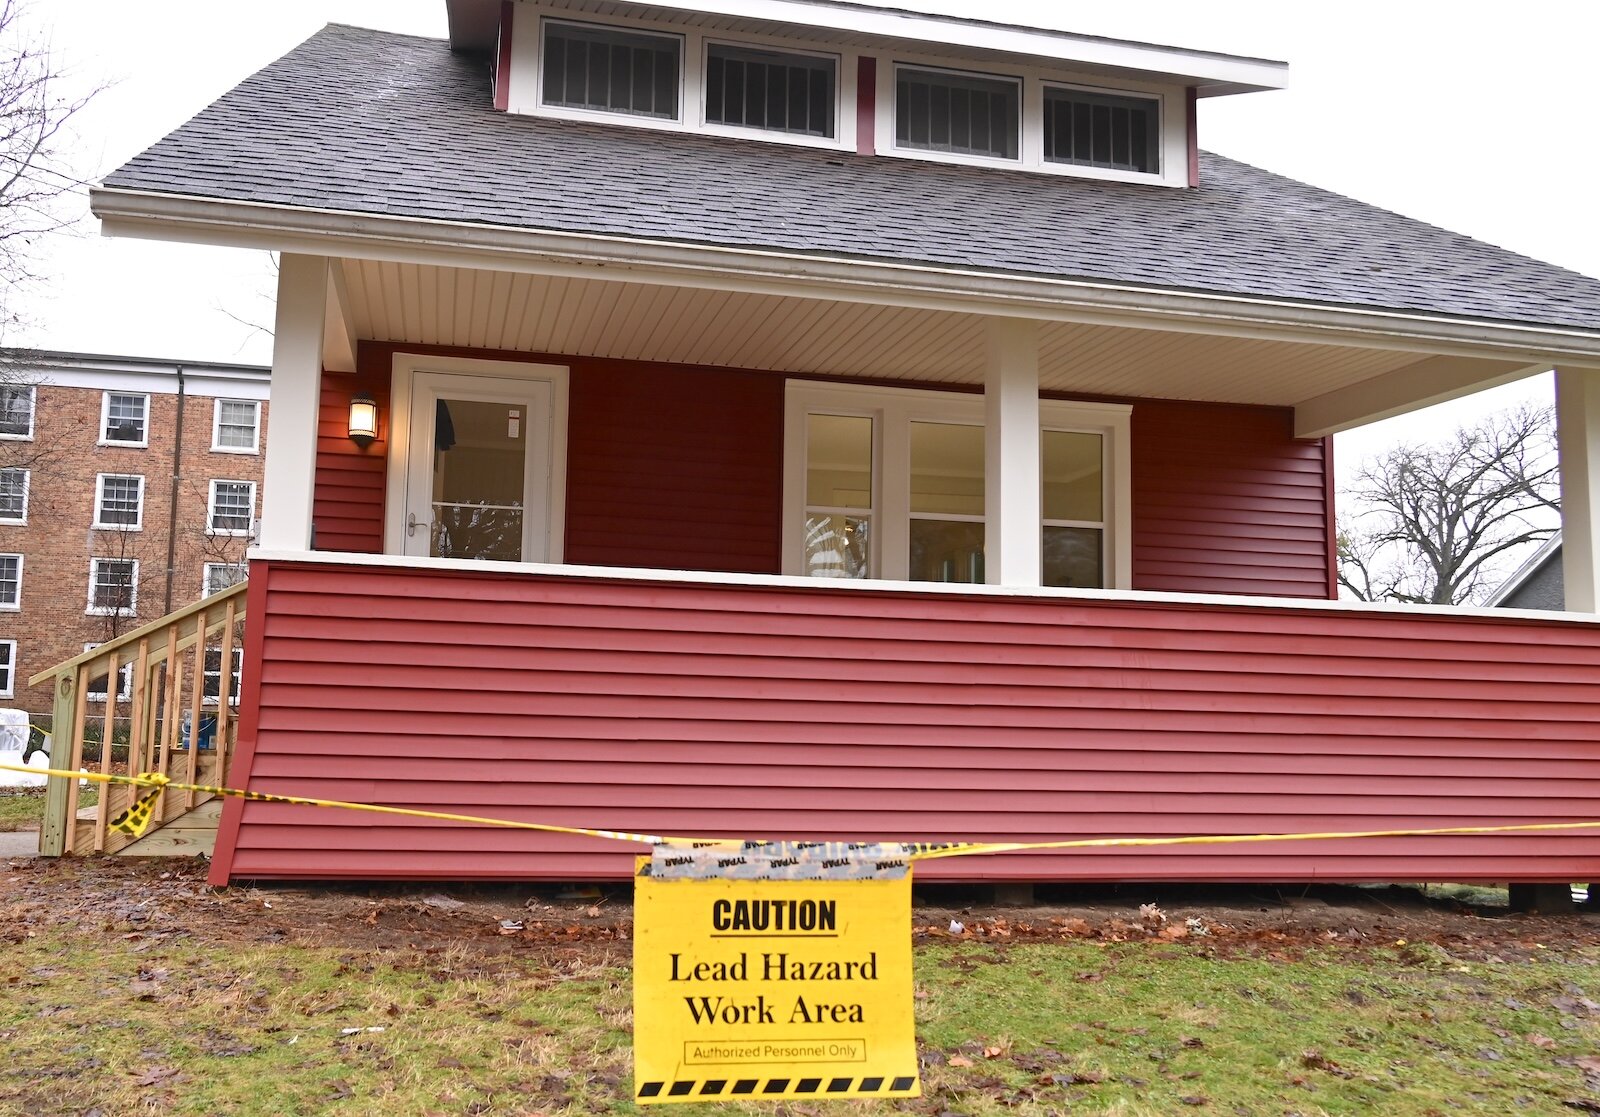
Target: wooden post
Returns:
[[55, 826], [80, 711], [137, 737], [108, 728], [225, 693], [197, 698]]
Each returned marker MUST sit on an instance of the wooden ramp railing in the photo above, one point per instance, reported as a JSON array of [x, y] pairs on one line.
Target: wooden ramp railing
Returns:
[[164, 699]]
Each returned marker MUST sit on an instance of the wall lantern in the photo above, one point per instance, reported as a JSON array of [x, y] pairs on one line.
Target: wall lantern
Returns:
[[363, 419]]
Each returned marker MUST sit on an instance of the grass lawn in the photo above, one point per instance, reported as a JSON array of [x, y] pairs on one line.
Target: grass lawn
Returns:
[[22, 809], [97, 1017]]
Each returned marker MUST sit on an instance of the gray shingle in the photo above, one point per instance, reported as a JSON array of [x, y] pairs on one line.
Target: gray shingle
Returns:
[[371, 122]]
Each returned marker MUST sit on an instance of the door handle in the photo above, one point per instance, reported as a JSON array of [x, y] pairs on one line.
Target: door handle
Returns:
[[412, 525]]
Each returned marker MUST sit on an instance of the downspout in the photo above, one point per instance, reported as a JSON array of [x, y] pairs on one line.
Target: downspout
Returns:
[[172, 499]]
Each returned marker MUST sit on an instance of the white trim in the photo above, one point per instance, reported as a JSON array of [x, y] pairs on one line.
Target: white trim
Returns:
[[1526, 571], [216, 427], [1032, 80], [22, 561], [27, 483], [99, 503], [105, 420], [1219, 602], [406, 367], [10, 688], [526, 92], [33, 412], [415, 240], [159, 379], [893, 409], [211, 507], [1214, 72], [291, 459], [132, 608]]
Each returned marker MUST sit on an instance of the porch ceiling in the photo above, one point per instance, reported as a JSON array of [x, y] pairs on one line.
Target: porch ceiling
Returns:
[[419, 304]]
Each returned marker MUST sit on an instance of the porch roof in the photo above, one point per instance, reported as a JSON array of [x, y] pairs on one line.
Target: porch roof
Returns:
[[366, 122]]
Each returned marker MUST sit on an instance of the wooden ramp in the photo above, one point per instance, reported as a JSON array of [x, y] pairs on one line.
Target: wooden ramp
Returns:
[[186, 825]]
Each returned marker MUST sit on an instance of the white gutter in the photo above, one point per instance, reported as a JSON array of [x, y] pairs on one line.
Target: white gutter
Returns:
[[414, 240]]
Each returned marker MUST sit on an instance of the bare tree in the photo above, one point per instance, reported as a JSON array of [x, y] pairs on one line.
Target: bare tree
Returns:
[[1434, 522]]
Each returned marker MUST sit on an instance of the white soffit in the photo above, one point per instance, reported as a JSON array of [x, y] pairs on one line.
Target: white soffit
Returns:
[[427, 305], [868, 26]]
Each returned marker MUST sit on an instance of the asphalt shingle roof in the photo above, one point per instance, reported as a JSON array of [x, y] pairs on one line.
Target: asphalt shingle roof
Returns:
[[372, 122]]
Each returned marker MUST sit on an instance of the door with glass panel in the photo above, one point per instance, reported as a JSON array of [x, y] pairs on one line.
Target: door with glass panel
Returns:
[[479, 468]]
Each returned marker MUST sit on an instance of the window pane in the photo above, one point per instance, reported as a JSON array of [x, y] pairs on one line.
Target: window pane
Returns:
[[1073, 557], [232, 505], [120, 498], [839, 461], [1101, 130], [1073, 483], [611, 70], [236, 424], [222, 575], [963, 113], [13, 493], [837, 546], [10, 579], [125, 417], [946, 551], [770, 89], [947, 469], [478, 474], [16, 411], [113, 583]]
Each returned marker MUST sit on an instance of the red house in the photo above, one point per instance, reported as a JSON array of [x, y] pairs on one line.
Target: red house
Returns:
[[796, 418]]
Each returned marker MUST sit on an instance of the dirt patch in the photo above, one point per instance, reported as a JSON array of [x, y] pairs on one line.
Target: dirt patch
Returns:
[[160, 898]]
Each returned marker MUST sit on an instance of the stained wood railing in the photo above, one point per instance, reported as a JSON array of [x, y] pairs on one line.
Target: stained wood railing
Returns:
[[174, 677]]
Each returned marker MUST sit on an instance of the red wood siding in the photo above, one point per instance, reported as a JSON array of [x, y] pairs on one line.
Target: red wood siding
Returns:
[[818, 712], [1227, 500], [674, 469], [347, 503]]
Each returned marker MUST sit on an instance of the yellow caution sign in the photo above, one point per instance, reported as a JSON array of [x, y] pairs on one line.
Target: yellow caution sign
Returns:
[[768, 989]]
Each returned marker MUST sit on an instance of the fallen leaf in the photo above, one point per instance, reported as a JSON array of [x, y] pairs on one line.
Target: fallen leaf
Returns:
[[1541, 1041], [960, 1061], [993, 1052]]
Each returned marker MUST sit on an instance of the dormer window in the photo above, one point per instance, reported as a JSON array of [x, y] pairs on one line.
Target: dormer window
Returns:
[[775, 91], [608, 69], [1089, 129], [960, 113]]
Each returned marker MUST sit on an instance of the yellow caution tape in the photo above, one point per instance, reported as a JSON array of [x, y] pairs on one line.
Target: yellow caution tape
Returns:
[[136, 819]]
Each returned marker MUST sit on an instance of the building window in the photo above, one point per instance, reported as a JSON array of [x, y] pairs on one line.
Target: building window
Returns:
[[606, 69], [16, 411], [13, 496], [890, 483], [775, 91], [10, 582], [211, 688], [8, 668], [959, 113], [235, 426], [113, 587], [125, 419], [97, 686], [119, 502], [222, 575], [1102, 130], [233, 507]]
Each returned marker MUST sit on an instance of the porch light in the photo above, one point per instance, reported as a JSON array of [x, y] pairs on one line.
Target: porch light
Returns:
[[363, 419]]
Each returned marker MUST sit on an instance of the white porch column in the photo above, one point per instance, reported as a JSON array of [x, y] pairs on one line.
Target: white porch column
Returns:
[[296, 395], [1578, 431], [1011, 454]]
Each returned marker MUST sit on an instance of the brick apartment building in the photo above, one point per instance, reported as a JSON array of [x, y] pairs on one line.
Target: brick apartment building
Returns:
[[129, 487]]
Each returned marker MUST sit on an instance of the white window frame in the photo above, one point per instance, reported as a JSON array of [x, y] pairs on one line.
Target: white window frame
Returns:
[[234, 686], [22, 561], [124, 681], [27, 477], [211, 508], [8, 680], [99, 503], [526, 94], [33, 413], [216, 428], [957, 156], [1173, 122], [131, 609], [893, 410], [105, 420], [205, 576]]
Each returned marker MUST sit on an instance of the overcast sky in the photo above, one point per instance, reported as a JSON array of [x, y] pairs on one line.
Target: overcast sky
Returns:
[[1471, 116]]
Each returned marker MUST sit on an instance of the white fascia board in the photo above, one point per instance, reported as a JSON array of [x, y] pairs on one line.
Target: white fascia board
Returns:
[[141, 374], [1423, 384], [1234, 603], [1211, 73], [425, 241]]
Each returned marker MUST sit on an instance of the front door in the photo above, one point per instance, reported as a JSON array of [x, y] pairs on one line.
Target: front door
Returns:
[[478, 475]]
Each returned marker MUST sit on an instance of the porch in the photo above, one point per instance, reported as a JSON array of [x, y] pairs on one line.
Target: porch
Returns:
[[737, 706]]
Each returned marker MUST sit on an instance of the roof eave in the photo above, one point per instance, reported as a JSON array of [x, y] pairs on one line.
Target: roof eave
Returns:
[[161, 216]]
